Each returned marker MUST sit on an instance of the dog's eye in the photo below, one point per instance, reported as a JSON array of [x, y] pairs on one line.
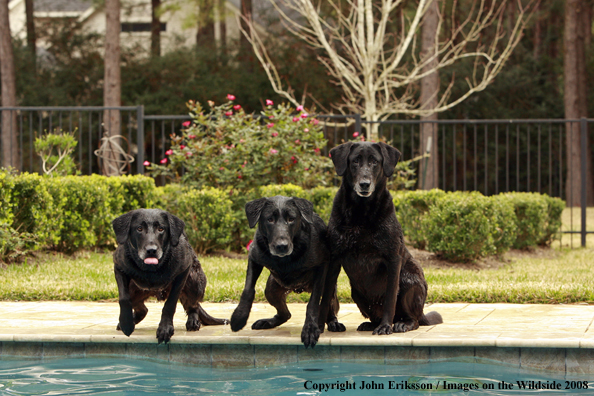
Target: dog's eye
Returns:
[[290, 220], [374, 162], [139, 229], [271, 219], [160, 229], [356, 161]]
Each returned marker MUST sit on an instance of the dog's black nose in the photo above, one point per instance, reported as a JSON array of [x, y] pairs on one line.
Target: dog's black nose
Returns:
[[364, 185], [281, 247], [151, 252]]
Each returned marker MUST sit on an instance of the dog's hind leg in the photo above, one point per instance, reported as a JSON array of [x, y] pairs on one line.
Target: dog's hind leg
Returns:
[[365, 308], [277, 297], [409, 308]]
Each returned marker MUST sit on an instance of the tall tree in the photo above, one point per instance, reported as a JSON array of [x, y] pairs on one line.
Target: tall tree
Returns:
[[206, 30], [155, 28], [10, 148], [31, 36], [428, 171], [112, 79], [246, 16], [575, 91]]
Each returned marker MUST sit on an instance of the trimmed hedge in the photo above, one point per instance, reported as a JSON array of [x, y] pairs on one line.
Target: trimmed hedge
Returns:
[[75, 212]]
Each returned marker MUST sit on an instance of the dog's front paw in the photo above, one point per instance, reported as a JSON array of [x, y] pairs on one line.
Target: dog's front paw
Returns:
[[310, 334], [238, 320], [125, 326], [193, 323], [263, 324], [336, 327], [383, 329], [403, 327], [164, 332], [366, 326]]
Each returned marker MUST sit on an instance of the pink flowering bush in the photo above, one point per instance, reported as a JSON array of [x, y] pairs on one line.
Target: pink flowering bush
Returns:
[[227, 148]]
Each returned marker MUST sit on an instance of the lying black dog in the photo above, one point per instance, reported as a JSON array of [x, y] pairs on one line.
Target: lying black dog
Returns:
[[291, 242], [366, 239], [154, 258]]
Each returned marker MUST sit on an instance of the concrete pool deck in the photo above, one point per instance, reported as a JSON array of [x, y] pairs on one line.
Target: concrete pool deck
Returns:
[[544, 337]]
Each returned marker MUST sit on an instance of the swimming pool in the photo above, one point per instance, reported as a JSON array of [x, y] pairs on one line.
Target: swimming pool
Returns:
[[138, 377]]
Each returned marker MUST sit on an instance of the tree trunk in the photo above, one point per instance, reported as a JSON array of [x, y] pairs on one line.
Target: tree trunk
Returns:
[[574, 76], [112, 79], [31, 37], [537, 32], [223, 26], [428, 175], [10, 149], [205, 35], [155, 29]]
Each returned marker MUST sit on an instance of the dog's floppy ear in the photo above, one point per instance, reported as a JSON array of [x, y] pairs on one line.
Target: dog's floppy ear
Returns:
[[121, 227], [340, 155], [253, 209], [391, 157], [176, 228], [306, 209]]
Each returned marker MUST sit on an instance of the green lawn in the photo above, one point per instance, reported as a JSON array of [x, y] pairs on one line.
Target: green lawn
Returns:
[[561, 276]]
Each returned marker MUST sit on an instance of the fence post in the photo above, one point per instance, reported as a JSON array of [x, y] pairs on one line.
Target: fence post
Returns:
[[584, 139], [358, 124], [140, 138]]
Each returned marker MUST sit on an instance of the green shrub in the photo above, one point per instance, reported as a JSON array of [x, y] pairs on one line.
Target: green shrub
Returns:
[[288, 190], [36, 211], [55, 150], [411, 208], [531, 211], [208, 215], [6, 189], [139, 192], [14, 245], [91, 203], [323, 199], [458, 226], [503, 225], [553, 222]]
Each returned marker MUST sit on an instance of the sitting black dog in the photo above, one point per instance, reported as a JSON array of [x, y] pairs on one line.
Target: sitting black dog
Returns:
[[154, 258], [291, 242], [366, 239]]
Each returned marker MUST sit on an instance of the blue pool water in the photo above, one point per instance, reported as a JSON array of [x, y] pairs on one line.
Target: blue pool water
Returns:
[[137, 377]]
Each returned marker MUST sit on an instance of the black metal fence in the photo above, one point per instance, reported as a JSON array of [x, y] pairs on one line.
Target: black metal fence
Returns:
[[490, 156]]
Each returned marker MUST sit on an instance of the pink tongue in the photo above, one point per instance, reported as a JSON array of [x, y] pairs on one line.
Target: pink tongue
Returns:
[[151, 260]]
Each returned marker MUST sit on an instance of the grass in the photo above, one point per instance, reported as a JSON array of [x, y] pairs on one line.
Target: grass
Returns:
[[560, 276]]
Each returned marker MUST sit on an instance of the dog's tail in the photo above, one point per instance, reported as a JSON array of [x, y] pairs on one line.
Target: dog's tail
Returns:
[[208, 320], [432, 318]]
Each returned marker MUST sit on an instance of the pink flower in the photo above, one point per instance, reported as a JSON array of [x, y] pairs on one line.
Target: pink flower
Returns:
[[295, 119], [306, 130], [236, 107], [304, 115], [317, 150], [270, 117], [239, 176], [230, 97], [299, 108], [355, 134], [329, 155], [270, 125], [297, 141], [163, 161], [221, 168], [169, 152], [273, 151], [186, 123], [274, 134], [269, 102], [241, 141], [362, 138], [189, 154], [306, 169], [146, 163], [228, 113], [181, 147], [314, 121], [191, 136], [249, 245]]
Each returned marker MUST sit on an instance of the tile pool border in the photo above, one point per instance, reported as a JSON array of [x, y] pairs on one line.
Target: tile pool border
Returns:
[[216, 355]]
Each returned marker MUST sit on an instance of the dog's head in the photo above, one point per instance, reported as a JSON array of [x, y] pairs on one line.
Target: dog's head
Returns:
[[150, 233], [364, 164], [279, 220]]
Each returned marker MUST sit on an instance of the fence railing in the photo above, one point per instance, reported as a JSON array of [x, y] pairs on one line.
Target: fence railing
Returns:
[[490, 156]]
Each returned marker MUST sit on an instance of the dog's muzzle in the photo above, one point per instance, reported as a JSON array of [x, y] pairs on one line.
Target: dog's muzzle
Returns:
[[281, 249], [364, 189], [151, 255]]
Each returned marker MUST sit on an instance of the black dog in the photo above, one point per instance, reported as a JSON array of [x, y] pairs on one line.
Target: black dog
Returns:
[[366, 239], [154, 258], [291, 242]]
